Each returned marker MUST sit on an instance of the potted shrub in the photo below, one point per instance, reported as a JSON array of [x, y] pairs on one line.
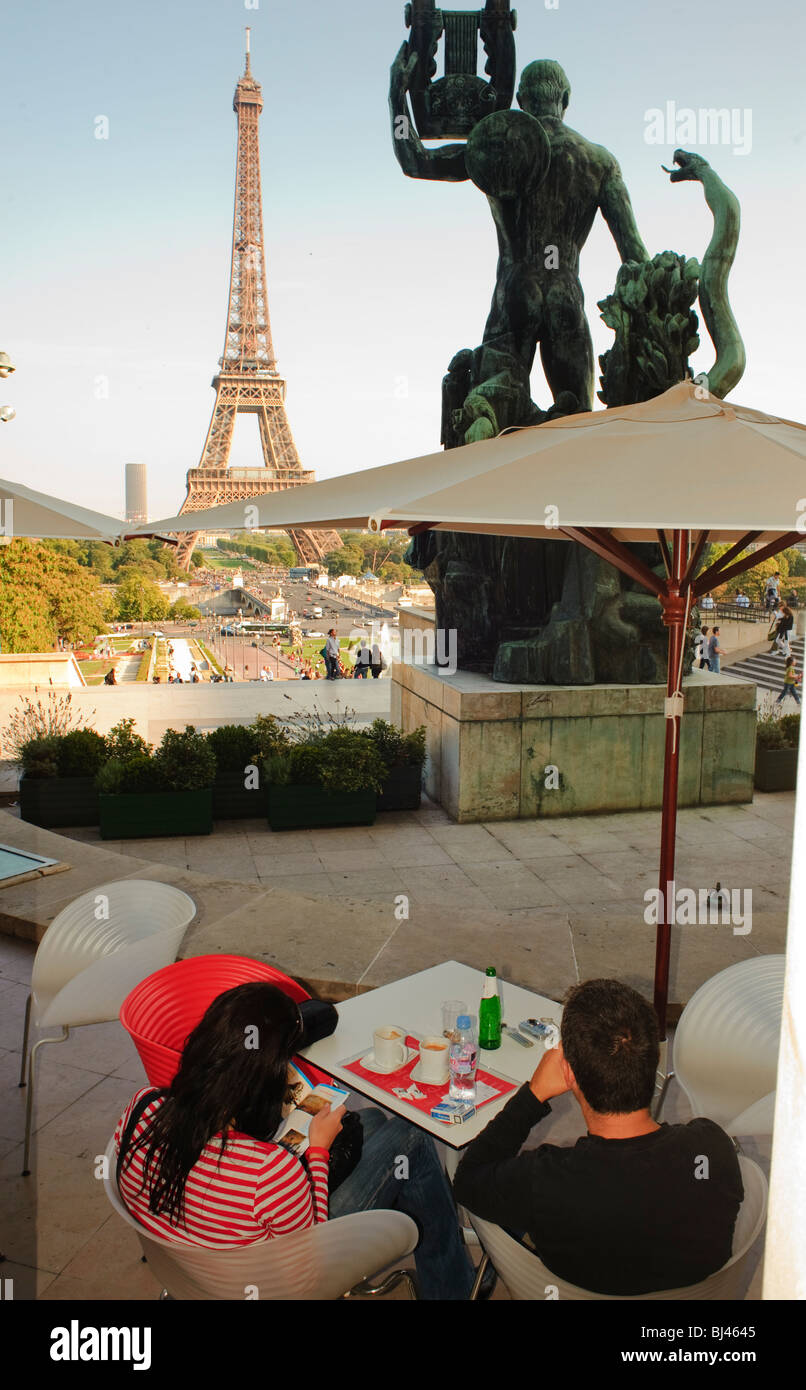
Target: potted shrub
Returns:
[[167, 792], [777, 753], [241, 751], [330, 780], [403, 756], [57, 787]]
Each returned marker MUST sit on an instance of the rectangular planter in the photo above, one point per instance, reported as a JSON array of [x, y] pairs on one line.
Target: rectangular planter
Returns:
[[402, 789], [305, 808], [231, 800], [59, 801], [140, 815], [776, 769]]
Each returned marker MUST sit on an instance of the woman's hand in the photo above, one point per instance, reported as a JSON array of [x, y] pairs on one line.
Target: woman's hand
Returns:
[[325, 1126]]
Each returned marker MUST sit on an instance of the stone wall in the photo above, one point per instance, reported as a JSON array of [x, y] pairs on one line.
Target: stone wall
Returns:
[[500, 752]]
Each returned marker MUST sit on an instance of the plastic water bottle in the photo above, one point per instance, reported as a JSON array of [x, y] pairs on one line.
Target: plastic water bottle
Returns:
[[462, 1061]]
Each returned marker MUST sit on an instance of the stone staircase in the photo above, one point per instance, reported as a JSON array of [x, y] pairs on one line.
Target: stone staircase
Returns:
[[767, 671]]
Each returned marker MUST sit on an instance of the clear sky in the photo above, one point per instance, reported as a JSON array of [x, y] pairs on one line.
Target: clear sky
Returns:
[[115, 253]]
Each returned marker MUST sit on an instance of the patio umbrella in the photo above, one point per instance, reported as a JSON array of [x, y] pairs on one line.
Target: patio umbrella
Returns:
[[682, 469], [24, 512]]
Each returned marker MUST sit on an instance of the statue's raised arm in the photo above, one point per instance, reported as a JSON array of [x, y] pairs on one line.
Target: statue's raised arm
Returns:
[[447, 163]]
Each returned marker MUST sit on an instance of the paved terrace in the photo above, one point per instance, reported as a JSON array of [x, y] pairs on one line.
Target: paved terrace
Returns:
[[548, 902]]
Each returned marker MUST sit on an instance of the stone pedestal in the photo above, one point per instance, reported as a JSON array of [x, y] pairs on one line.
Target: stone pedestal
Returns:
[[504, 752]]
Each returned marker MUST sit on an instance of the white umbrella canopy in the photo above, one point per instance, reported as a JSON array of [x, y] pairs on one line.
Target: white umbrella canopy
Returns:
[[24, 512], [684, 468], [683, 459]]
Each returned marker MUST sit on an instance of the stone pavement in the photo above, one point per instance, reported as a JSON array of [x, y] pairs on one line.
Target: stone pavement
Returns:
[[548, 902]]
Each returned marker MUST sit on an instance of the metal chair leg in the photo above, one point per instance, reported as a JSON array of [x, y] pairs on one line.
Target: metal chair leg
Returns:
[[29, 1107], [390, 1281], [657, 1104], [480, 1272], [25, 1029]]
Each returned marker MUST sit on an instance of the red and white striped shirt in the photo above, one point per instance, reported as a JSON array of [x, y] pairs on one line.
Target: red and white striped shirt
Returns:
[[256, 1191]]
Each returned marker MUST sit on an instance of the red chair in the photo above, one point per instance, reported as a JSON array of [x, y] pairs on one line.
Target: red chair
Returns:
[[163, 1009]]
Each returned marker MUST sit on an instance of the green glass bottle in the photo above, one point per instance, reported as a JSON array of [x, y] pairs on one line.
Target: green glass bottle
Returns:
[[490, 1012]]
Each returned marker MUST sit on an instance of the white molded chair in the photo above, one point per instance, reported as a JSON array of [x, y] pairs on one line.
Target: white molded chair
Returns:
[[756, 1120], [91, 957], [526, 1277], [725, 1052], [328, 1261]]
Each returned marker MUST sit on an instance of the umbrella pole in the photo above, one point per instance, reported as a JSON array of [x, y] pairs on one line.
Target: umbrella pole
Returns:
[[674, 618]]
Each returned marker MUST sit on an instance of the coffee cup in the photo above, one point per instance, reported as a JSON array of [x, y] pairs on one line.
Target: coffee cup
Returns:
[[434, 1060], [389, 1046]]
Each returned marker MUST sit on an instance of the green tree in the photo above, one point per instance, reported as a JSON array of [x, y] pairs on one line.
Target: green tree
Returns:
[[139, 599], [45, 594], [184, 612]]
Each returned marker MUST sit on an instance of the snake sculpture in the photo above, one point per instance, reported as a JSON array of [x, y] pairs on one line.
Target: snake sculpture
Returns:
[[650, 310], [728, 369]]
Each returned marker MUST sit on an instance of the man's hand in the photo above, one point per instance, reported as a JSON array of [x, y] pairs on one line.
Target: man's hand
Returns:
[[549, 1079], [325, 1126]]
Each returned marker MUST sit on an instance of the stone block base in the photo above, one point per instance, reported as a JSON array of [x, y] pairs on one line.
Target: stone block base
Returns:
[[505, 752]]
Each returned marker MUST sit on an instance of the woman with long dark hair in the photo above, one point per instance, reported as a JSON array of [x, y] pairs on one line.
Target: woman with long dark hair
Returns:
[[201, 1165]]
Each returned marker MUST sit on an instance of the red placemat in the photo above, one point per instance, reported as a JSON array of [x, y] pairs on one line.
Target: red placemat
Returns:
[[402, 1078]]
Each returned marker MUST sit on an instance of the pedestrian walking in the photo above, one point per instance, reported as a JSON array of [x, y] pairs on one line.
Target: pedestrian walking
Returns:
[[782, 630], [790, 682], [363, 660], [378, 661], [714, 651], [700, 651], [332, 655]]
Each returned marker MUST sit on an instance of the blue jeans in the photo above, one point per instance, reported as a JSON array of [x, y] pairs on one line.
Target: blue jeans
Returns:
[[788, 690], [444, 1267]]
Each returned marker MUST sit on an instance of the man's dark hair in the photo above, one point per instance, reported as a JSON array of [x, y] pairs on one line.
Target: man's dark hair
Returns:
[[609, 1037]]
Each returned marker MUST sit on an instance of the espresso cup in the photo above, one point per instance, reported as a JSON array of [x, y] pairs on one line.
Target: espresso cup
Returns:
[[389, 1046], [434, 1060]]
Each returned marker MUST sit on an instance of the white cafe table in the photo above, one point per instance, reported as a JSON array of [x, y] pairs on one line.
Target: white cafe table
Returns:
[[414, 1004]]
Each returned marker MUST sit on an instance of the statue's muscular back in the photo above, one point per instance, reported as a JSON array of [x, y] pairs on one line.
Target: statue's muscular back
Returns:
[[560, 211]]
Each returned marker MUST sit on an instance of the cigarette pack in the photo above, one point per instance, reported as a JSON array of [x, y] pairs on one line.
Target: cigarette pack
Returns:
[[453, 1112]]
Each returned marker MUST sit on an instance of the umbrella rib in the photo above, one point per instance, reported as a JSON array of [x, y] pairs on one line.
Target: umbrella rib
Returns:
[[664, 549], [696, 554], [714, 570], [605, 545], [701, 586]]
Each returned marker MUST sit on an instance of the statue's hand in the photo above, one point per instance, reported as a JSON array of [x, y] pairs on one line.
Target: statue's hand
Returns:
[[401, 73], [480, 429], [689, 166]]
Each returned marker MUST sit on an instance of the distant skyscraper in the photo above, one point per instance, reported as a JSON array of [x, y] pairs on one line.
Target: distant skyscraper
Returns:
[[136, 493]]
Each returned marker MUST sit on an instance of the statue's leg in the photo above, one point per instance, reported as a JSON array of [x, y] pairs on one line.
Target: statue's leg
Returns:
[[566, 348], [516, 314]]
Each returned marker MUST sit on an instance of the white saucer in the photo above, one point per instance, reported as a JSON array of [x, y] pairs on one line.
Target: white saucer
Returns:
[[416, 1075], [368, 1061]]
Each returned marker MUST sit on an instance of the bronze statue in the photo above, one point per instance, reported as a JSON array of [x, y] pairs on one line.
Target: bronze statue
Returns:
[[545, 183], [542, 611]]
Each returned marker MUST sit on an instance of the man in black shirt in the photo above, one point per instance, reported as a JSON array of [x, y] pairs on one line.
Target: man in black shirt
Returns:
[[634, 1206]]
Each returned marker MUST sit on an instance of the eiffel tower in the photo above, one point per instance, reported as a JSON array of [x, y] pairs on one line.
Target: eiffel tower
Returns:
[[249, 381]]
